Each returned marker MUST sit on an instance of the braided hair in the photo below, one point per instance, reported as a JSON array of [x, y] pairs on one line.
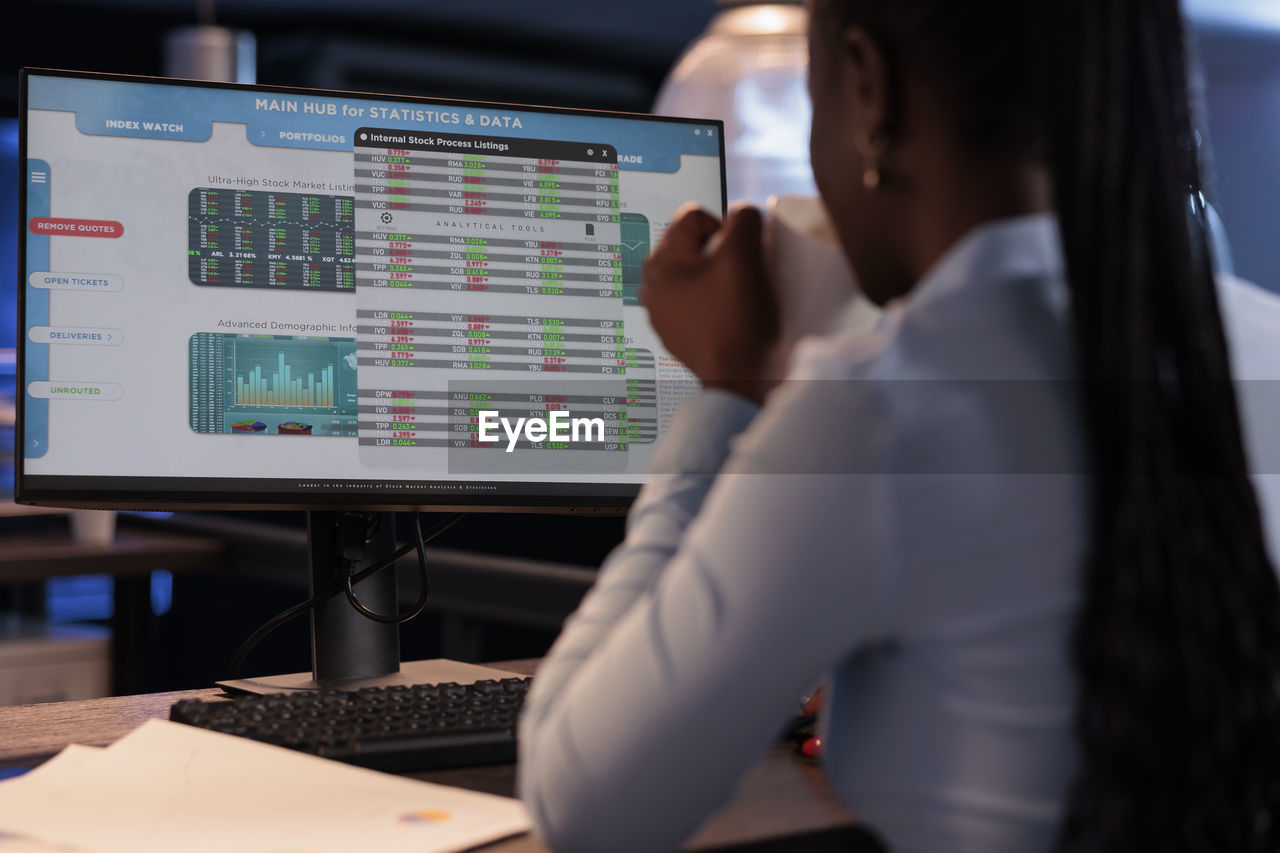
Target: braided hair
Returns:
[[1176, 645]]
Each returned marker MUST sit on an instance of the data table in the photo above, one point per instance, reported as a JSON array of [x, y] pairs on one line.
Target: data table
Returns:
[[499, 259], [261, 239]]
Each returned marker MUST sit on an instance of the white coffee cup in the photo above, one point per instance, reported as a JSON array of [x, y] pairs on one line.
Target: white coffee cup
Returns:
[[815, 287]]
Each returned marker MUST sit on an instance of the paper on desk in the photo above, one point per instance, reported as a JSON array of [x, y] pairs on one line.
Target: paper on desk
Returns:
[[18, 844], [67, 761], [168, 786]]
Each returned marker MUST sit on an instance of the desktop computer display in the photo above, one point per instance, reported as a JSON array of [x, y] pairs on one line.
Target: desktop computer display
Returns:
[[242, 296], [237, 297]]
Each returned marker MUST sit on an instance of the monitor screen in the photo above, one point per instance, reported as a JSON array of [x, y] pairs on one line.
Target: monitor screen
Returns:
[[257, 296]]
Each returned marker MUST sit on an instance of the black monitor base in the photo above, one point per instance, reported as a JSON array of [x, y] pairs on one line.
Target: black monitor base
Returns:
[[348, 650], [414, 672], [344, 644]]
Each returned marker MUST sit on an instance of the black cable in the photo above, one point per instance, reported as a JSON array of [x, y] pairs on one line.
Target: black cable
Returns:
[[424, 585], [419, 543]]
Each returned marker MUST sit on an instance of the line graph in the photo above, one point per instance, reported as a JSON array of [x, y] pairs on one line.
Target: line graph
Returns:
[[634, 243]]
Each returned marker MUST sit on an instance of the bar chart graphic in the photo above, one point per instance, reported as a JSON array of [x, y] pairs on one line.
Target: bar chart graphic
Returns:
[[273, 385], [283, 388]]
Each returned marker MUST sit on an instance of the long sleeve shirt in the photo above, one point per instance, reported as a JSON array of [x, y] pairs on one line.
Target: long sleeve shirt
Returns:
[[906, 517]]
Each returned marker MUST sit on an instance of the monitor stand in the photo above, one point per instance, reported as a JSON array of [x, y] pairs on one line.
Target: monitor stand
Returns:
[[435, 671], [348, 650]]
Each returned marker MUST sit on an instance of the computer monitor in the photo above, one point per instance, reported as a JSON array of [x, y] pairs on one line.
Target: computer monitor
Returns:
[[262, 297]]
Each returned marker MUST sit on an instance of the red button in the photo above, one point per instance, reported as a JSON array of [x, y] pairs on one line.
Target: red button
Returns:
[[52, 225]]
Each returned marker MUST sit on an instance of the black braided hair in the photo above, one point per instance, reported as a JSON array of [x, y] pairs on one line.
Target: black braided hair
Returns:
[[1177, 643]]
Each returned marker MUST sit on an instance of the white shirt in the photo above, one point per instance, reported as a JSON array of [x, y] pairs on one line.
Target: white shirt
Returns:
[[1252, 319], [906, 516]]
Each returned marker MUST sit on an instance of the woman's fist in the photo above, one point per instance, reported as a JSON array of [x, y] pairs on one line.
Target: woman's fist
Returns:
[[710, 300]]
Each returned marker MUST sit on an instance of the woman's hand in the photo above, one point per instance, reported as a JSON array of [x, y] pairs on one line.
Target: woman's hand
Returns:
[[712, 304]]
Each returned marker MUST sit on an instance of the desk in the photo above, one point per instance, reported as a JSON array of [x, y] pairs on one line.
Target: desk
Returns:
[[130, 559], [784, 795], [132, 554]]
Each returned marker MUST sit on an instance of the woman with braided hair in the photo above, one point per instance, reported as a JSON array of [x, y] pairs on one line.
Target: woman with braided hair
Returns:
[[1014, 529]]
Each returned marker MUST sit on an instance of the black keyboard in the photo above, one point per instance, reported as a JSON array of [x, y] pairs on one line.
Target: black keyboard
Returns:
[[396, 729]]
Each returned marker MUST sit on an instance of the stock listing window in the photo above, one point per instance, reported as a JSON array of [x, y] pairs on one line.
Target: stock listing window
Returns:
[[446, 223], [231, 284]]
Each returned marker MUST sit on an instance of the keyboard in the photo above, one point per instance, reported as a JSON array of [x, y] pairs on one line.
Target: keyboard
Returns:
[[397, 729]]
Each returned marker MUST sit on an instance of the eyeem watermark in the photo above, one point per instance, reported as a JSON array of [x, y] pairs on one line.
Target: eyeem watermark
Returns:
[[559, 426]]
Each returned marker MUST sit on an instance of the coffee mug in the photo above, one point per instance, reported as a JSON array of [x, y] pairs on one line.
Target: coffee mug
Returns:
[[816, 290]]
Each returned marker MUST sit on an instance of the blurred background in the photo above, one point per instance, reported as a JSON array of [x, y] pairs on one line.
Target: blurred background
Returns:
[[515, 576]]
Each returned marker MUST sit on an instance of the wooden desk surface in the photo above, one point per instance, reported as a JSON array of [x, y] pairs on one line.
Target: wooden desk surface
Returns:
[[785, 794]]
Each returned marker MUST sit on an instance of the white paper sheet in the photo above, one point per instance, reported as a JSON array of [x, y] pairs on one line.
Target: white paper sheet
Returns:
[[168, 786], [67, 761], [17, 844]]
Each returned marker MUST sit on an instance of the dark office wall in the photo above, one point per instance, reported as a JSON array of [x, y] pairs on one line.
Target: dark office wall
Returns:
[[8, 252], [556, 52]]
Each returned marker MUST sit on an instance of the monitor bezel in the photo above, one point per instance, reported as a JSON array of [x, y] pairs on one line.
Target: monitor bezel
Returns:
[[136, 494]]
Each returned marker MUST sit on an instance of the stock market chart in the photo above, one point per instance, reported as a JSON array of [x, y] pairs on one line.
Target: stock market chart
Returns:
[[456, 231], [272, 384], [253, 238]]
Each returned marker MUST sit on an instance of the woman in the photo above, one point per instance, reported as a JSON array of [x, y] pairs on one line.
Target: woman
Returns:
[[1018, 654]]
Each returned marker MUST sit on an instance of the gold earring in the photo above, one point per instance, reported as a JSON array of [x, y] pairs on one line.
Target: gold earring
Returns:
[[872, 150]]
